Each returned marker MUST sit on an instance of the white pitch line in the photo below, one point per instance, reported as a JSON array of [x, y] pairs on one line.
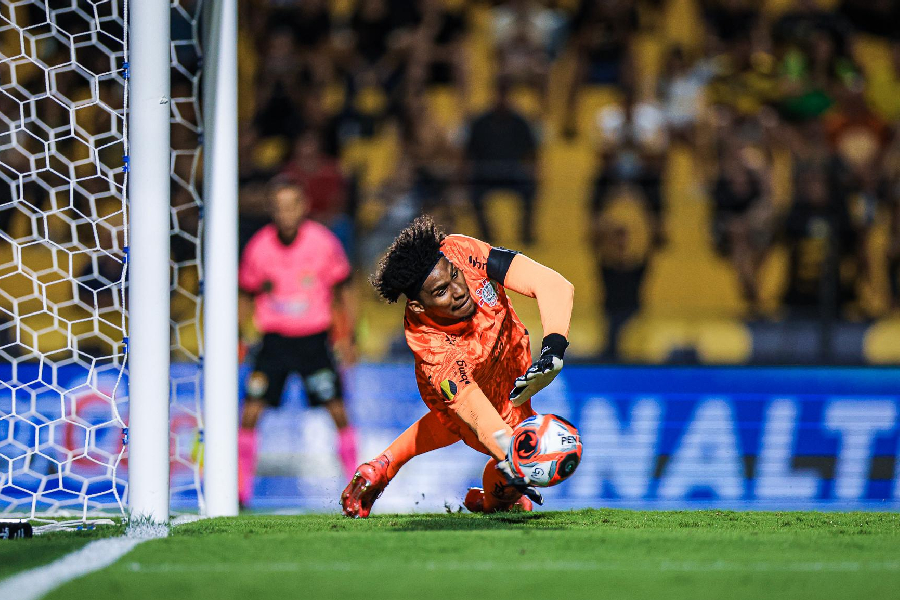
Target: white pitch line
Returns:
[[35, 583], [555, 566]]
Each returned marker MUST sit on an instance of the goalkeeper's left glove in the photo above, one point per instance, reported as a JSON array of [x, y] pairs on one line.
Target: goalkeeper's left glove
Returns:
[[521, 484], [542, 372]]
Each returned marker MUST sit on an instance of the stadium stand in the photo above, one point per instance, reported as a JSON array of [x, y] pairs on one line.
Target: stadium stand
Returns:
[[729, 101], [705, 273]]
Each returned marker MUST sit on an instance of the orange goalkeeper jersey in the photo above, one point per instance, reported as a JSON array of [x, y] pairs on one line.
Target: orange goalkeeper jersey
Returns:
[[489, 350]]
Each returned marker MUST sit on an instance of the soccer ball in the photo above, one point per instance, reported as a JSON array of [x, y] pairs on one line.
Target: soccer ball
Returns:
[[544, 449]]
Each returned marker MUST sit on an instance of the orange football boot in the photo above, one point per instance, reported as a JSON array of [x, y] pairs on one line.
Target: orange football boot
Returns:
[[366, 486]]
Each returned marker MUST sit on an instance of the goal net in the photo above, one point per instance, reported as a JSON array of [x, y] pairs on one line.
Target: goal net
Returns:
[[64, 255]]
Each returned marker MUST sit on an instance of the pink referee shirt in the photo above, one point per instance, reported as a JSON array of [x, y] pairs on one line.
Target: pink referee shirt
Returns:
[[302, 276]]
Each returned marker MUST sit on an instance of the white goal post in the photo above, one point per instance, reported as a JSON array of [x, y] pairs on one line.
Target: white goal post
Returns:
[[103, 236], [220, 373]]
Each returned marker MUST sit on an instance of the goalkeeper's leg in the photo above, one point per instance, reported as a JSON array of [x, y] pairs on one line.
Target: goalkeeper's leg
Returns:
[[496, 496], [371, 478]]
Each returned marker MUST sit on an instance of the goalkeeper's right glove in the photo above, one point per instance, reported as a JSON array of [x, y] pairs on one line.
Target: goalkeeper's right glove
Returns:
[[543, 371], [521, 484]]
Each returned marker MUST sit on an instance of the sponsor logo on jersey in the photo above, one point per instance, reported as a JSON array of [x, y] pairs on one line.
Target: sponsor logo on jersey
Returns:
[[487, 294], [449, 389], [463, 375]]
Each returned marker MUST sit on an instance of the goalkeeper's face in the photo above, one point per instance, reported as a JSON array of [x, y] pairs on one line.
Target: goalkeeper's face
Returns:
[[445, 294], [288, 211]]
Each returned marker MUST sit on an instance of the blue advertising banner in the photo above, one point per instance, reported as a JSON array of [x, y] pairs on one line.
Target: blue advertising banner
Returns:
[[654, 437]]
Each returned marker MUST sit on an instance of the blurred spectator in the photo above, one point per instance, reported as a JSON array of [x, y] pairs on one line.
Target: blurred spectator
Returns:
[[622, 270], [501, 154], [310, 23], [398, 202], [806, 18], [856, 133], [633, 148], [381, 34], [440, 45], [742, 222], [891, 200], [877, 17], [253, 179], [429, 148], [319, 176], [682, 86], [527, 38], [323, 185], [601, 37], [730, 20], [815, 69], [279, 87], [745, 78], [826, 248], [334, 129], [894, 251]]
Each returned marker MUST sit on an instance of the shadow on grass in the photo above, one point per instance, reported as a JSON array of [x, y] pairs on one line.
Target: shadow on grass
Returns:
[[508, 521]]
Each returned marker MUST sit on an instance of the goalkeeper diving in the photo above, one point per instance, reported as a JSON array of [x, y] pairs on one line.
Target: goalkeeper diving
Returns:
[[472, 356]]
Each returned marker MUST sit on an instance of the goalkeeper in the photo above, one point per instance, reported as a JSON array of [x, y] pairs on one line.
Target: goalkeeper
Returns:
[[472, 355]]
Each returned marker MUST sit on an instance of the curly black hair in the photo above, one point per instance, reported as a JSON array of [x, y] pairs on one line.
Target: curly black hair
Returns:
[[416, 249]]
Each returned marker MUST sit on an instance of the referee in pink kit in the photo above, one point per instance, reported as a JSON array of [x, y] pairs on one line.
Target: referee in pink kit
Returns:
[[296, 277]]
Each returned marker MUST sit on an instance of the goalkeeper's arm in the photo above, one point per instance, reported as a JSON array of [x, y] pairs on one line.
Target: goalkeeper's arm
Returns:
[[475, 410], [555, 297]]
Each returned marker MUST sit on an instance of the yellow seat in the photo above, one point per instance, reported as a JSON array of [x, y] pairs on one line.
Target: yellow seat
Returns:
[[882, 342], [650, 339], [444, 104], [723, 342]]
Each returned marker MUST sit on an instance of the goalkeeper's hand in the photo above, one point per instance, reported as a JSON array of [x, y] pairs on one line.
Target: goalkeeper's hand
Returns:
[[542, 372], [521, 484]]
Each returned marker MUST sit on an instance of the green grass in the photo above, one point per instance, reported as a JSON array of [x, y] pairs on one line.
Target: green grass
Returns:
[[606, 554], [22, 554]]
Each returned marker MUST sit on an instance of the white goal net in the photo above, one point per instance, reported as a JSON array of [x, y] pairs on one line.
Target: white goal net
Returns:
[[63, 256]]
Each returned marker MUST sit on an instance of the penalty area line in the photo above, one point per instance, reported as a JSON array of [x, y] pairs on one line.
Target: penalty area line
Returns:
[[99, 554]]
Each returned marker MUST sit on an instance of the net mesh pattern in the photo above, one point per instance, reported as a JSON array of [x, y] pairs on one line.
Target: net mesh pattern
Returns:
[[187, 272], [63, 256]]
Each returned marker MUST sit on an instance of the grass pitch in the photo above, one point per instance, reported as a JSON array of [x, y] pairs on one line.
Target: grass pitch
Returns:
[[560, 555]]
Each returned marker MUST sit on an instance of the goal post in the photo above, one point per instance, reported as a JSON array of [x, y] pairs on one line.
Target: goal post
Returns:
[[148, 143], [220, 311]]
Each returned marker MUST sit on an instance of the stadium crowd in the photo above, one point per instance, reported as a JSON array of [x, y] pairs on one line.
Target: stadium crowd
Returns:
[[787, 108], [749, 149]]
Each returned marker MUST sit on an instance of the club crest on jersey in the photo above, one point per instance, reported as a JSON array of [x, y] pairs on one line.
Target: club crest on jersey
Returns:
[[486, 294]]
